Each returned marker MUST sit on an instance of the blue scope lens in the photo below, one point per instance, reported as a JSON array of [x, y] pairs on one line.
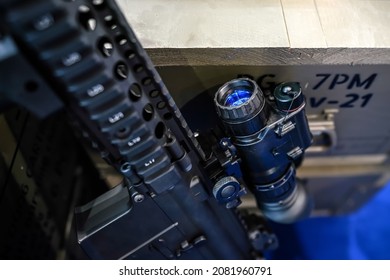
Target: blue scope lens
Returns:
[[237, 97]]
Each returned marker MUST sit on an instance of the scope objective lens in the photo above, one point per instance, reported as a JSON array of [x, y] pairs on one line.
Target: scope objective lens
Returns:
[[240, 104], [237, 97]]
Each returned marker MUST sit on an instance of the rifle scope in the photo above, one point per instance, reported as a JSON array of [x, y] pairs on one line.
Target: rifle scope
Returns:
[[270, 134]]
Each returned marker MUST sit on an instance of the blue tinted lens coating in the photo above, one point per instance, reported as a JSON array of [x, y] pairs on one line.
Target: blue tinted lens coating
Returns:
[[237, 97]]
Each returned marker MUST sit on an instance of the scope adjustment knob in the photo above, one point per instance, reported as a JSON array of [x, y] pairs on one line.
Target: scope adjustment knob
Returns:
[[288, 96], [228, 190]]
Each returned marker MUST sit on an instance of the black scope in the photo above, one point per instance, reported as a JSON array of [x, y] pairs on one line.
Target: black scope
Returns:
[[270, 134]]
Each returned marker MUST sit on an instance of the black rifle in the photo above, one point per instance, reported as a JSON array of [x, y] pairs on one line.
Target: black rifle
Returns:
[[176, 201]]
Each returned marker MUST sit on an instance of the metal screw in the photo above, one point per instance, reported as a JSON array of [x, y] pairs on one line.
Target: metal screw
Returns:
[[125, 167], [228, 191], [139, 198], [224, 144], [286, 89]]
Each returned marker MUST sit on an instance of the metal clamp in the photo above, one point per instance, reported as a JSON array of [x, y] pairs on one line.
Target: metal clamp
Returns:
[[323, 129]]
